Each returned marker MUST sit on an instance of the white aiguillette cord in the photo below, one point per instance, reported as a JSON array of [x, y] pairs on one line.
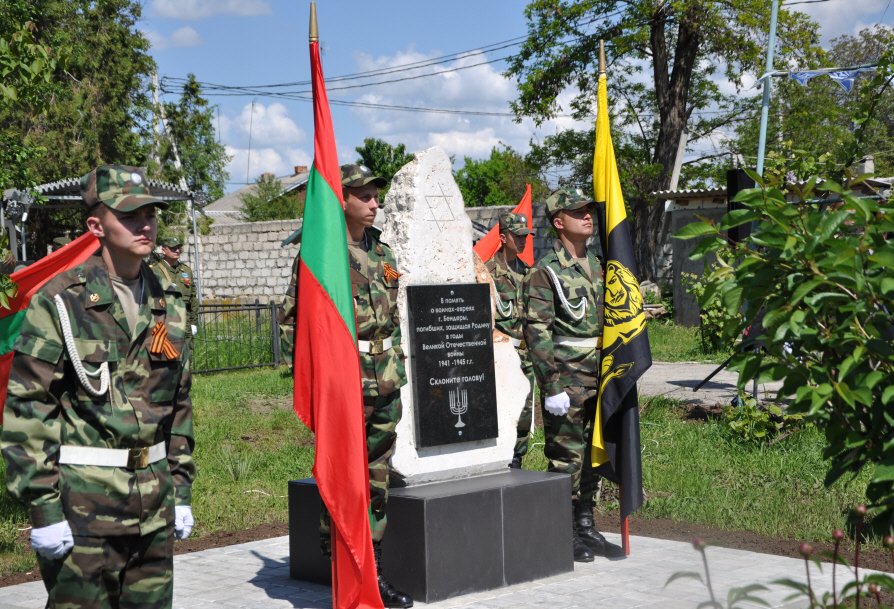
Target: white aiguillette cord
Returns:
[[577, 311], [102, 372]]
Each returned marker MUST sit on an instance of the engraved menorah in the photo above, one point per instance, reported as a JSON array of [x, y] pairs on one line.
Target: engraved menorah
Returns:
[[459, 404]]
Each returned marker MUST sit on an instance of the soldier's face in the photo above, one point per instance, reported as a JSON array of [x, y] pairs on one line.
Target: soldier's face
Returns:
[[125, 234], [512, 244], [575, 224], [171, 254], [361, 204]]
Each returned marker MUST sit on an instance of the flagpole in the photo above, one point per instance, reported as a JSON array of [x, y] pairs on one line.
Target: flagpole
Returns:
[[768, 87], [625, 521]]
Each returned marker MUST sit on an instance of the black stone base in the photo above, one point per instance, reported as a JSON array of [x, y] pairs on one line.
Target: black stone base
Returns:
[[451, 538]]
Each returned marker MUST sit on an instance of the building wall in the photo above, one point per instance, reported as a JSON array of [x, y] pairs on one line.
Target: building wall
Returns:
[[246, 260]]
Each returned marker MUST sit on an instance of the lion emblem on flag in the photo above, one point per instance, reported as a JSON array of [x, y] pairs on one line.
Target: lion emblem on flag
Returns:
[[624, 316]]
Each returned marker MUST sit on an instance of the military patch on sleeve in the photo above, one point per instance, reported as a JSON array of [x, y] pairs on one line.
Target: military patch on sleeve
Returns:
[[391, 273], [161, 344]]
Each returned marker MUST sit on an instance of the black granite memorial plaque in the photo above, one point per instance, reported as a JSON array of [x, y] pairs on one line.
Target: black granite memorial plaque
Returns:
[[452, 362]]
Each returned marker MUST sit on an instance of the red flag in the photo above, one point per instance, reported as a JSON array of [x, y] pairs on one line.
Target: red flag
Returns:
[[28, 281], [489, 244], [328, 395]]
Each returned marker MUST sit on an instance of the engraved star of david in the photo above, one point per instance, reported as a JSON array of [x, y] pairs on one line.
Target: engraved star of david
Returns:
[[439, 208]]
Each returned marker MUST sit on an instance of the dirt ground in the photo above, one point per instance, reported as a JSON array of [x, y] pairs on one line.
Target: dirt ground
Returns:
[[662, 529]]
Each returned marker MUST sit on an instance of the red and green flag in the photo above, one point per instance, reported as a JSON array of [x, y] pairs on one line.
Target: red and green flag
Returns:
[[28, 281], [489, 244], [328, 395], [625, 343]]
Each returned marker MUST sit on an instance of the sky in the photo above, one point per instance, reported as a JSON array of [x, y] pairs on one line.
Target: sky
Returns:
[[263, 42]]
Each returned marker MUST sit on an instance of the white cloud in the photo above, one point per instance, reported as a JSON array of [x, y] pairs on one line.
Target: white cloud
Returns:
[[276, 142], [181, 38], [185, 37], [267, 125], [201, 9], [477, 88], [839, 18]]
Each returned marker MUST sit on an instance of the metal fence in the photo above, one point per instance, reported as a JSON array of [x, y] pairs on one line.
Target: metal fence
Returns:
[[233, 336]]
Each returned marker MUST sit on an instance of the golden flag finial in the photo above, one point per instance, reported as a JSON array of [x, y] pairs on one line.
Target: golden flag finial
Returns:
[[314, 33], [601, 56]]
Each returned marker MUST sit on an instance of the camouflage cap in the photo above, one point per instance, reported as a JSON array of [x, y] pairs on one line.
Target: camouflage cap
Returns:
[[517, 224], [171, 241], [566, 200], [119, 187], [354, 176]]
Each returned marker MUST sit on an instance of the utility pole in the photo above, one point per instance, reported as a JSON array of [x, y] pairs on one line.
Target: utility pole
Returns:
[[767, 79]]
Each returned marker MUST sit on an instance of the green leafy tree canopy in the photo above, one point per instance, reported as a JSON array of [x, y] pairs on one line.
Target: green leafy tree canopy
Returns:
[[499, 179], [266, 201]]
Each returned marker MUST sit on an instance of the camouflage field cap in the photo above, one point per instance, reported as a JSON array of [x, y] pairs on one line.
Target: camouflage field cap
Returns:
[[517, 224], [119, 187], [171, 241], [354, 176], [566, 200]]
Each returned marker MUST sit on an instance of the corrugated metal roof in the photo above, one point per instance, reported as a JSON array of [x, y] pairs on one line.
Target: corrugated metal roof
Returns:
[[232, 202]]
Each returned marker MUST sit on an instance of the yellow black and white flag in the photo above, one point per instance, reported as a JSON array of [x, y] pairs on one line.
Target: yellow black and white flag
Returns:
[[625, 343]]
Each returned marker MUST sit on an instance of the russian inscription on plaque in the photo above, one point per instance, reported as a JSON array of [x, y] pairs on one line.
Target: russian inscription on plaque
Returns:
[[452, 357]]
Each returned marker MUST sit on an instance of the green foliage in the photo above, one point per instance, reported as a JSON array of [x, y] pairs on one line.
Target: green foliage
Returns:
[[832, 128], [712, 313], [191, 127], [267, 201], [499, 179], [817, 268], [755, 423], [382, 158]]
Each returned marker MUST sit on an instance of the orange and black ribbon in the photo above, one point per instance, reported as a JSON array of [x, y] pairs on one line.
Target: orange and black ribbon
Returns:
[[391, 273], [161, 344]]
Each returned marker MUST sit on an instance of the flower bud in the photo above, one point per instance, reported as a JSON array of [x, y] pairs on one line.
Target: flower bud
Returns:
[[861, 510], [889, 541], [805, 549], [698, 543], [838, 534]]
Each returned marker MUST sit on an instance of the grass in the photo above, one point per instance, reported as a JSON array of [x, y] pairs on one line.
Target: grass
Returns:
[[673, 343], [250, 444], [694, 471]]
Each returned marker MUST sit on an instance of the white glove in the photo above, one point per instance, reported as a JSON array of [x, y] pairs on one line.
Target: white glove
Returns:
[[183, 521], [558, 404], [194, 329], [52, 541]]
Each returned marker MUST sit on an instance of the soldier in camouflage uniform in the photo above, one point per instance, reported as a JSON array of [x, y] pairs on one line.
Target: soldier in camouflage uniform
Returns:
[[563, 329], [170, 271], [97, 434], [374, 282], [508, 272]]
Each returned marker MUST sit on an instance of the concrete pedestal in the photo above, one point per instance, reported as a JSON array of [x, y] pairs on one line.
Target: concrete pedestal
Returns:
[[450, 538]]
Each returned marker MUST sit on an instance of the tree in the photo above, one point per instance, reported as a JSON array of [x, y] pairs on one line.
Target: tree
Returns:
[[499, 179], [268, 202], [190, 124], [820, 120], [686, 46], [95, 107], [382, 158]]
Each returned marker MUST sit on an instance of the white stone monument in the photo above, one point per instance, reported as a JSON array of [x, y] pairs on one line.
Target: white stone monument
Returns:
[[431, 235]]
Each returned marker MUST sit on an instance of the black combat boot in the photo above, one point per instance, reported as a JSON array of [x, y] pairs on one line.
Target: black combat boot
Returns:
[[516, 462], [585, 530], [582, 553], [390, 596]]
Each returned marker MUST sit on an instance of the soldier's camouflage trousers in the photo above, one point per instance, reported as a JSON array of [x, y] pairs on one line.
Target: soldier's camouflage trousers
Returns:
[[126, 572], [568, 442], [523, 429], [382, 415]]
